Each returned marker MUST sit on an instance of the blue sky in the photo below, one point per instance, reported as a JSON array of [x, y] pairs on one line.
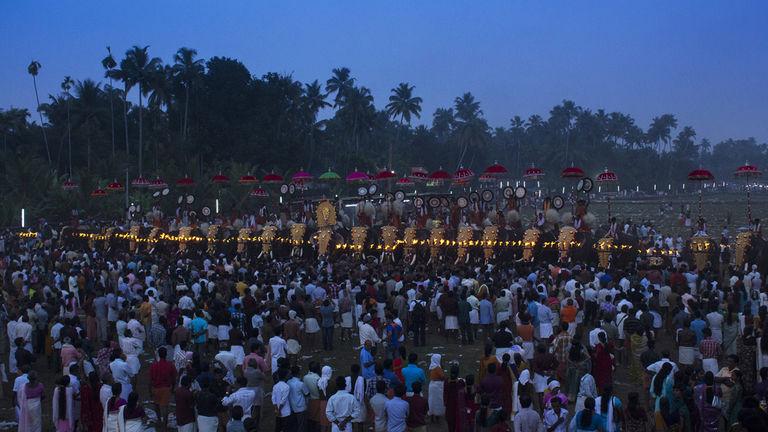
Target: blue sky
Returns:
[[704, 61]]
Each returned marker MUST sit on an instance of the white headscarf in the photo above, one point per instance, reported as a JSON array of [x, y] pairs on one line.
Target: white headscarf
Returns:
[[325, 377], [525, 377], [434, 362]]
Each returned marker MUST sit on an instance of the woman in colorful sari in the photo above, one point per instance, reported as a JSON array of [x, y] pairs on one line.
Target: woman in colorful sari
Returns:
[[639, 342], [733, 404], [747, 348], [30, 401], [454, 396], [91, 411], [508, 378], [63, 415], [708, 404], [112, 409]]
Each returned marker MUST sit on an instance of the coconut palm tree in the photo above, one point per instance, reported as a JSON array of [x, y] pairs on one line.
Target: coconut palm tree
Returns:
[[471, 128], [340, 83], [141, 69], [188, 70], [123, 75], [87, 110], [313, 100], [402, 103], [66, 86], [109, 63], [33, 69], [517, 129]]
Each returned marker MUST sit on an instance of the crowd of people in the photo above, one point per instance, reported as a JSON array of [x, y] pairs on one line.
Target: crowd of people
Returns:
[[124, 341]]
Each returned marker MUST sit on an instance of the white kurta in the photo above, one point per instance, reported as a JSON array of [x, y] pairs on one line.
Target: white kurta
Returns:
[[341, 406]]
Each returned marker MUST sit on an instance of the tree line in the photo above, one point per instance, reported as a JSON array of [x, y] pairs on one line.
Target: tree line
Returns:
[[197, 117]]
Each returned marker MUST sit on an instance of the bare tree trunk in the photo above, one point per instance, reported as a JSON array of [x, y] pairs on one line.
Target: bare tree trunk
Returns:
[[141, 127], [112, 117], [125, 120], [42, 124], [69, 136]]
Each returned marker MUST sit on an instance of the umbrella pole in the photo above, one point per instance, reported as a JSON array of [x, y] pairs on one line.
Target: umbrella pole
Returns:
[[608, 199], [700, 198], [749, 206]]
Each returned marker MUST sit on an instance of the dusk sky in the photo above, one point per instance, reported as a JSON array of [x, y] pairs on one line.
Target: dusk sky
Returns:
[[704, 61]]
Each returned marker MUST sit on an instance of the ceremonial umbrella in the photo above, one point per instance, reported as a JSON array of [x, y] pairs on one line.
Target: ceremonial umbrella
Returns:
[[69, 185], [700, 175], [604, 178], [220, 178], [272, 178], [138, 182], [748, 173], [115, 186], [329, 175], [248, 179], [185, 181]]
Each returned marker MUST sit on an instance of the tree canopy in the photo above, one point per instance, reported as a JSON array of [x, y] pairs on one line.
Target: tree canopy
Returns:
[[197, 117]]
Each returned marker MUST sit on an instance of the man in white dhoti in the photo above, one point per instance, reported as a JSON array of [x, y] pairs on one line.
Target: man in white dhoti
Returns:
[[122, 373]]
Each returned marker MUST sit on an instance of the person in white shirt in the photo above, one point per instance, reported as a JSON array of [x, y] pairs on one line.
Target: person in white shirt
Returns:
[[378, 402], [243, 397], [227, 359], [367, 331], [556, 417], [277, 346], [136, 328], [342, 408], [121, 373], [280, 399]]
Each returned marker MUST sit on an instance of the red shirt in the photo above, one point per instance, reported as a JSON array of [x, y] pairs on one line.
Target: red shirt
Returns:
[[162, 374]]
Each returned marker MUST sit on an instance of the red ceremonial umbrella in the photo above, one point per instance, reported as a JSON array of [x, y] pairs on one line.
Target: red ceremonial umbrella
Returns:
[[158, 183], [272, 178], [496, 170], [700, 175], [607, 177], [404, 181], [572, 172], [385, 175], [115, 186], [248, 179], [69, 185], [259, 193], [748, 172], [98, 193], [533, 173], [185, 182], [463, 176], [138, 182], [486, 178], [220, 178], [418, 174]]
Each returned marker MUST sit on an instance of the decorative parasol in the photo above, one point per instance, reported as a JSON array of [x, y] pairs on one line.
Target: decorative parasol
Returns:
[[98, 193], [69, 185], [404, 181], [700, 175], [220, 178], [533, 173], [272, 178], [572, 172], [440, 175], [158, 183], [259, 193], [248, 179], [138, 182], [463, 175], [385, 175], [748, 172], [418, 174], [329, 175], [357, 176], [496, 170], [185, 181], [487, 178], [606, 177], [115, 186], [301, 177]]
